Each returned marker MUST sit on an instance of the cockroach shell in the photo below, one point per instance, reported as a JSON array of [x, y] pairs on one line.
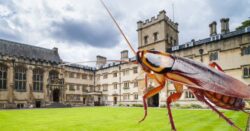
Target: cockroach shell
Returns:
[[203, 77]]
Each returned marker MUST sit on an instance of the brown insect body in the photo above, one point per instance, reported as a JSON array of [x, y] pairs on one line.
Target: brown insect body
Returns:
[[213, 83], [207, 78]]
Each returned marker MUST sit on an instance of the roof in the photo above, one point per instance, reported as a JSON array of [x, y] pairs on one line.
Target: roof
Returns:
[[18, 50], [209, 40]]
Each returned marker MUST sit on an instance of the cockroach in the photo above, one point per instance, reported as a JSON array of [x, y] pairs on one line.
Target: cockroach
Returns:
[[209, 84]]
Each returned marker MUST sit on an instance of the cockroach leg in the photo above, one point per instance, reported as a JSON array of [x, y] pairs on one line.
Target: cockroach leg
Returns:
[[216, 66], [149, 94], [172, 98], [201, 97]]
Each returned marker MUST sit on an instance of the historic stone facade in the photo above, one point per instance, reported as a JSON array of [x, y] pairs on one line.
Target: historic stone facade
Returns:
[[37, 77]]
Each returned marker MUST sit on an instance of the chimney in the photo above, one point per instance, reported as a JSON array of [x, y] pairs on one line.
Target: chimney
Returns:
[[224, 25], [213, 30], [100, 61], [124, 55]]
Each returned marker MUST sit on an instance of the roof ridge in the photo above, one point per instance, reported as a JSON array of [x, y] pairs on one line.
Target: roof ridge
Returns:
[[19, 43]]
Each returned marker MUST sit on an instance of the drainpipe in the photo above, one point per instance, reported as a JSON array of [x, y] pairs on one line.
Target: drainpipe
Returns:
[[120, 84]]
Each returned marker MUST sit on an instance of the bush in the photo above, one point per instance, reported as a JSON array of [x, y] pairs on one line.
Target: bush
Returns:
[[137, 105], [163, 106], [176, 105], [196, 106], [185, 106]]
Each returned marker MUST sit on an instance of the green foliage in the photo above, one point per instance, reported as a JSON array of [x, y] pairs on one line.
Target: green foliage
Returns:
[[196, 106], [115, 119], [137, 105], [245, 23]]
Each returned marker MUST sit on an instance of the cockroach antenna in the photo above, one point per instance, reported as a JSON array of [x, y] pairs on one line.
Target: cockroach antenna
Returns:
[[117, 25]]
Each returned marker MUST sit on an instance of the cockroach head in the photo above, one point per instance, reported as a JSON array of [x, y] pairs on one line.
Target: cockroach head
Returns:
[[155, 61]]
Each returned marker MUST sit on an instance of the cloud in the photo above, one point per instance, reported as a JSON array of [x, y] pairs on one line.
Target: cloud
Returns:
[[97, 35], [82, 29]]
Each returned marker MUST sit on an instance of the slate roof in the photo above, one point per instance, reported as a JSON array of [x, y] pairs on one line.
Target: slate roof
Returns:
[[18, 50]]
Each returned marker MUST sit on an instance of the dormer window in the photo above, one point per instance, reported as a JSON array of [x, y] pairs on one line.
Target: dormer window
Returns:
[[155, 36], [145, 39]]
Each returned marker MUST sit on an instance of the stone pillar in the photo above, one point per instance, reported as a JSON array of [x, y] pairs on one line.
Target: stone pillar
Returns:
[[213, 30], [45, 83], [29, 85], [10, 83]]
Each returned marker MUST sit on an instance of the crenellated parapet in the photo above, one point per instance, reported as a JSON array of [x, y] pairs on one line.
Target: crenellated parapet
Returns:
[[161, 16]]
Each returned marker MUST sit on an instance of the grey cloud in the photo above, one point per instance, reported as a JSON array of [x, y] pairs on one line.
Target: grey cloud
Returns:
[[96, 35], [229, 8], [10, 36]]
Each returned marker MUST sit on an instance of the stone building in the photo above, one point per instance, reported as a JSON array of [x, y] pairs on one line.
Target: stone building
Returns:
[[36, 77], [231, 50], [29, 76]]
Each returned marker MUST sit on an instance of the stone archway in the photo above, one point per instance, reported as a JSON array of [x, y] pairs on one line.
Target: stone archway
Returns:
[[154, 101], [56, 95]]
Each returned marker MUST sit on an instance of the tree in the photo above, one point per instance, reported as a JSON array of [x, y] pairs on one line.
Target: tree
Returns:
[[245, 23]]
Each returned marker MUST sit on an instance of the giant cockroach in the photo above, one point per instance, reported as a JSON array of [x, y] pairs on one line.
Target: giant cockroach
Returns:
[[208, 83]]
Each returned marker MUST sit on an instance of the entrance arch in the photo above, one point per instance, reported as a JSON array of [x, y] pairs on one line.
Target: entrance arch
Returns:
[[154, 101], [56, 95]]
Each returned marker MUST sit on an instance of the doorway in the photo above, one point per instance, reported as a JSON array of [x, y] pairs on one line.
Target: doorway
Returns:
[[154, 101], [115, 100], [84, 101], [56, 95], [38, 104]]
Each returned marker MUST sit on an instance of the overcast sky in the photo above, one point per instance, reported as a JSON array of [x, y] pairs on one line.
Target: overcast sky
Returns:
[[82, 29]]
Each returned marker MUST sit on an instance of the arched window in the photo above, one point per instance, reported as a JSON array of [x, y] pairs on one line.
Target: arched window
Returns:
[[3, 77], [37, 80], [53, 75], [20, 78]]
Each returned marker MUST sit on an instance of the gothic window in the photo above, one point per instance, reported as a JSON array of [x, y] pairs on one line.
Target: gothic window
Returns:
[[246, 72], [53, 75], [84, 76], [115, 86], [145, 40], [126, 85], [20, 78], [105, 87], [37, 80], [245, 50], [213, 56], [155, 36], [115, 74], [135, 96], [136, 84], [3, 77], [135, 70], [188, 94]]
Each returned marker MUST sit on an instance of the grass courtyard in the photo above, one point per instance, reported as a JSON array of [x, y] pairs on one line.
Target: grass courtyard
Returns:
[[115, 119]]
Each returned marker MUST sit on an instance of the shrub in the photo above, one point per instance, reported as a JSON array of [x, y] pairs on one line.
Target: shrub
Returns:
[[196, 106], [137, 105]]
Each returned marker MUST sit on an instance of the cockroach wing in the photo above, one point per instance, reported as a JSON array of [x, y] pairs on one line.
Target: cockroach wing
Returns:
[[210, 79]]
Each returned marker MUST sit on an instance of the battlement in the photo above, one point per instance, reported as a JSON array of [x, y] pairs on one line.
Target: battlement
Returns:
[[161, 16]]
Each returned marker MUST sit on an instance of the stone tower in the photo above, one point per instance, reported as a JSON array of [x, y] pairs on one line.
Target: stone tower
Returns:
[[159, 33]]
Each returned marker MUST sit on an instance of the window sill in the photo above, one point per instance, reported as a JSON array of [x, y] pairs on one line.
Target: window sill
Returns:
[[20, 90], [38, 91], [245, 77]]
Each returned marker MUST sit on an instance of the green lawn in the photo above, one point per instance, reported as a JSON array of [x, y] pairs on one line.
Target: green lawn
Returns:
[[115, 119]]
